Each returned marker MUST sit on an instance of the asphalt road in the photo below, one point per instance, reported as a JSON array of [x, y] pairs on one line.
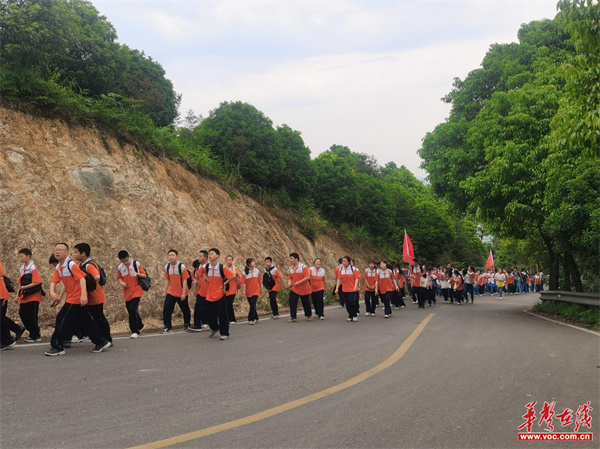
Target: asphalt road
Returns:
[[463, 383]]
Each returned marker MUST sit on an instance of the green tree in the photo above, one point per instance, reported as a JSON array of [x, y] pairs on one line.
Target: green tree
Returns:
[[297, 176]]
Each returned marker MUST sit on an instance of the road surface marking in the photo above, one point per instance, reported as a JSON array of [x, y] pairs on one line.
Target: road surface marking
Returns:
[[529, 312], [293, 404]]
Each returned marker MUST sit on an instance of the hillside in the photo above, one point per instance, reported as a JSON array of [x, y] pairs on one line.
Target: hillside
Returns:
[[76, 184]]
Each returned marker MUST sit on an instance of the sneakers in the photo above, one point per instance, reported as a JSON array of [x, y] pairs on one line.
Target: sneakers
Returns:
[[205, 326], [309, 318], [76, 339], [293, 320], [231, 323], [348, 319], [224, 337], [12, 345], [396, 308], [32, 340], [275, 317], [141, 329], [403, 307], [355, 318], [194, 329], [166, 331], [134, 335], [101, 347], [386, 316], [251, 322], [321, 318], [19, 333], [212, 334], [368, 314], [53, 352]]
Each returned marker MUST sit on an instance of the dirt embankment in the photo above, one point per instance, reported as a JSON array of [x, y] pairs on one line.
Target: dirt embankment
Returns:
[[76, 184]]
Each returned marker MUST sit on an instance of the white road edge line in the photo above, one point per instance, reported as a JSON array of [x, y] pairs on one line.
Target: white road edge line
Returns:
[[529, 312]]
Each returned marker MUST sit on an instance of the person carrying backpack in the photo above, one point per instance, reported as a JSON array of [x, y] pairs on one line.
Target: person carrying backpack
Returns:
[[218, 277], [29, 295], [96, 296], [251, 282], [299, 283], [130, 275], [177, 287], [317, 283], [272, 282], [233, 289], [200, 321], [347, 286]]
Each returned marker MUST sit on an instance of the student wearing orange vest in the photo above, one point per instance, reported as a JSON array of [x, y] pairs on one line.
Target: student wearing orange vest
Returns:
[[386, 286], [6, 324], [299, 283], [348, 280], [318, 279], [277, 277], [201, 287], [96, 297], [416, 274], [371, 276], [337, 275], [73, 313], [234, 286], [398, 296], [218, 277], [129, 272], [176, 292], [29, 295], [251, 281]]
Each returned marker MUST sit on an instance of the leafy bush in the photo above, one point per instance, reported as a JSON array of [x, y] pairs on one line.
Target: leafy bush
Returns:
[[588, 315]]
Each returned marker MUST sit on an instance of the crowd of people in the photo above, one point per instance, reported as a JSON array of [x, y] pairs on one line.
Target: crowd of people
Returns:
[[216, 286]]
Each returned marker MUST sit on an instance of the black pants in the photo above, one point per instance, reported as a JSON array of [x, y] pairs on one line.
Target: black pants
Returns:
[[370, 298], [97, 312], [386, 298], [445, 293], [294, 304], [29, 316], [135, 321], [469, 289], [430, 295], [169, 307], [199, 311], [216, 314], [318, 302], [69, 319], [5, 327], [398, 298], [10, 324], [252, 315], [273, 302], [342, 297], [421, 296], [230, 311], [350, 299], [458, 296]]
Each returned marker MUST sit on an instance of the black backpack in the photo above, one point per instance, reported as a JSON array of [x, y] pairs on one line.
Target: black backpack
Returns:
[[9, 284], [27, 279], [189, 279], [90, 282], [268, 280], [146, 282], [221, 270]]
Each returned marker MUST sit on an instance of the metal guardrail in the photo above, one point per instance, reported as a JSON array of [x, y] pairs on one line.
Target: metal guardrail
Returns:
[[587, 299]]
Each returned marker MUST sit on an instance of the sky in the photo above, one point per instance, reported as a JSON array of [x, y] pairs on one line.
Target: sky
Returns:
[[367, 75]]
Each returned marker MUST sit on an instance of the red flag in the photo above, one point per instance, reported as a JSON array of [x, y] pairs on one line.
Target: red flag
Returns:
[[407, 249], [490, 262]]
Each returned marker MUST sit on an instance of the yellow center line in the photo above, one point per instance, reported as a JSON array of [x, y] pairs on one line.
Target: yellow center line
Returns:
[[293, 404]]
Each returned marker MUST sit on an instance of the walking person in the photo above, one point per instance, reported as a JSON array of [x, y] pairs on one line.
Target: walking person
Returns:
[[339, 293], [129, 273], [318, 280], [469, 283], [459, 286], [273, 278], [251, 281], [29, 295], [233, 289], [218, 278], [96, 296], [417, 283], [200, 288], [386, 284], [371, 275], [429, 285], [6, 324], [176, 292], [347, 286], [299, 283], [73, 314], [398, 296], [445, 284], [500, 281]]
